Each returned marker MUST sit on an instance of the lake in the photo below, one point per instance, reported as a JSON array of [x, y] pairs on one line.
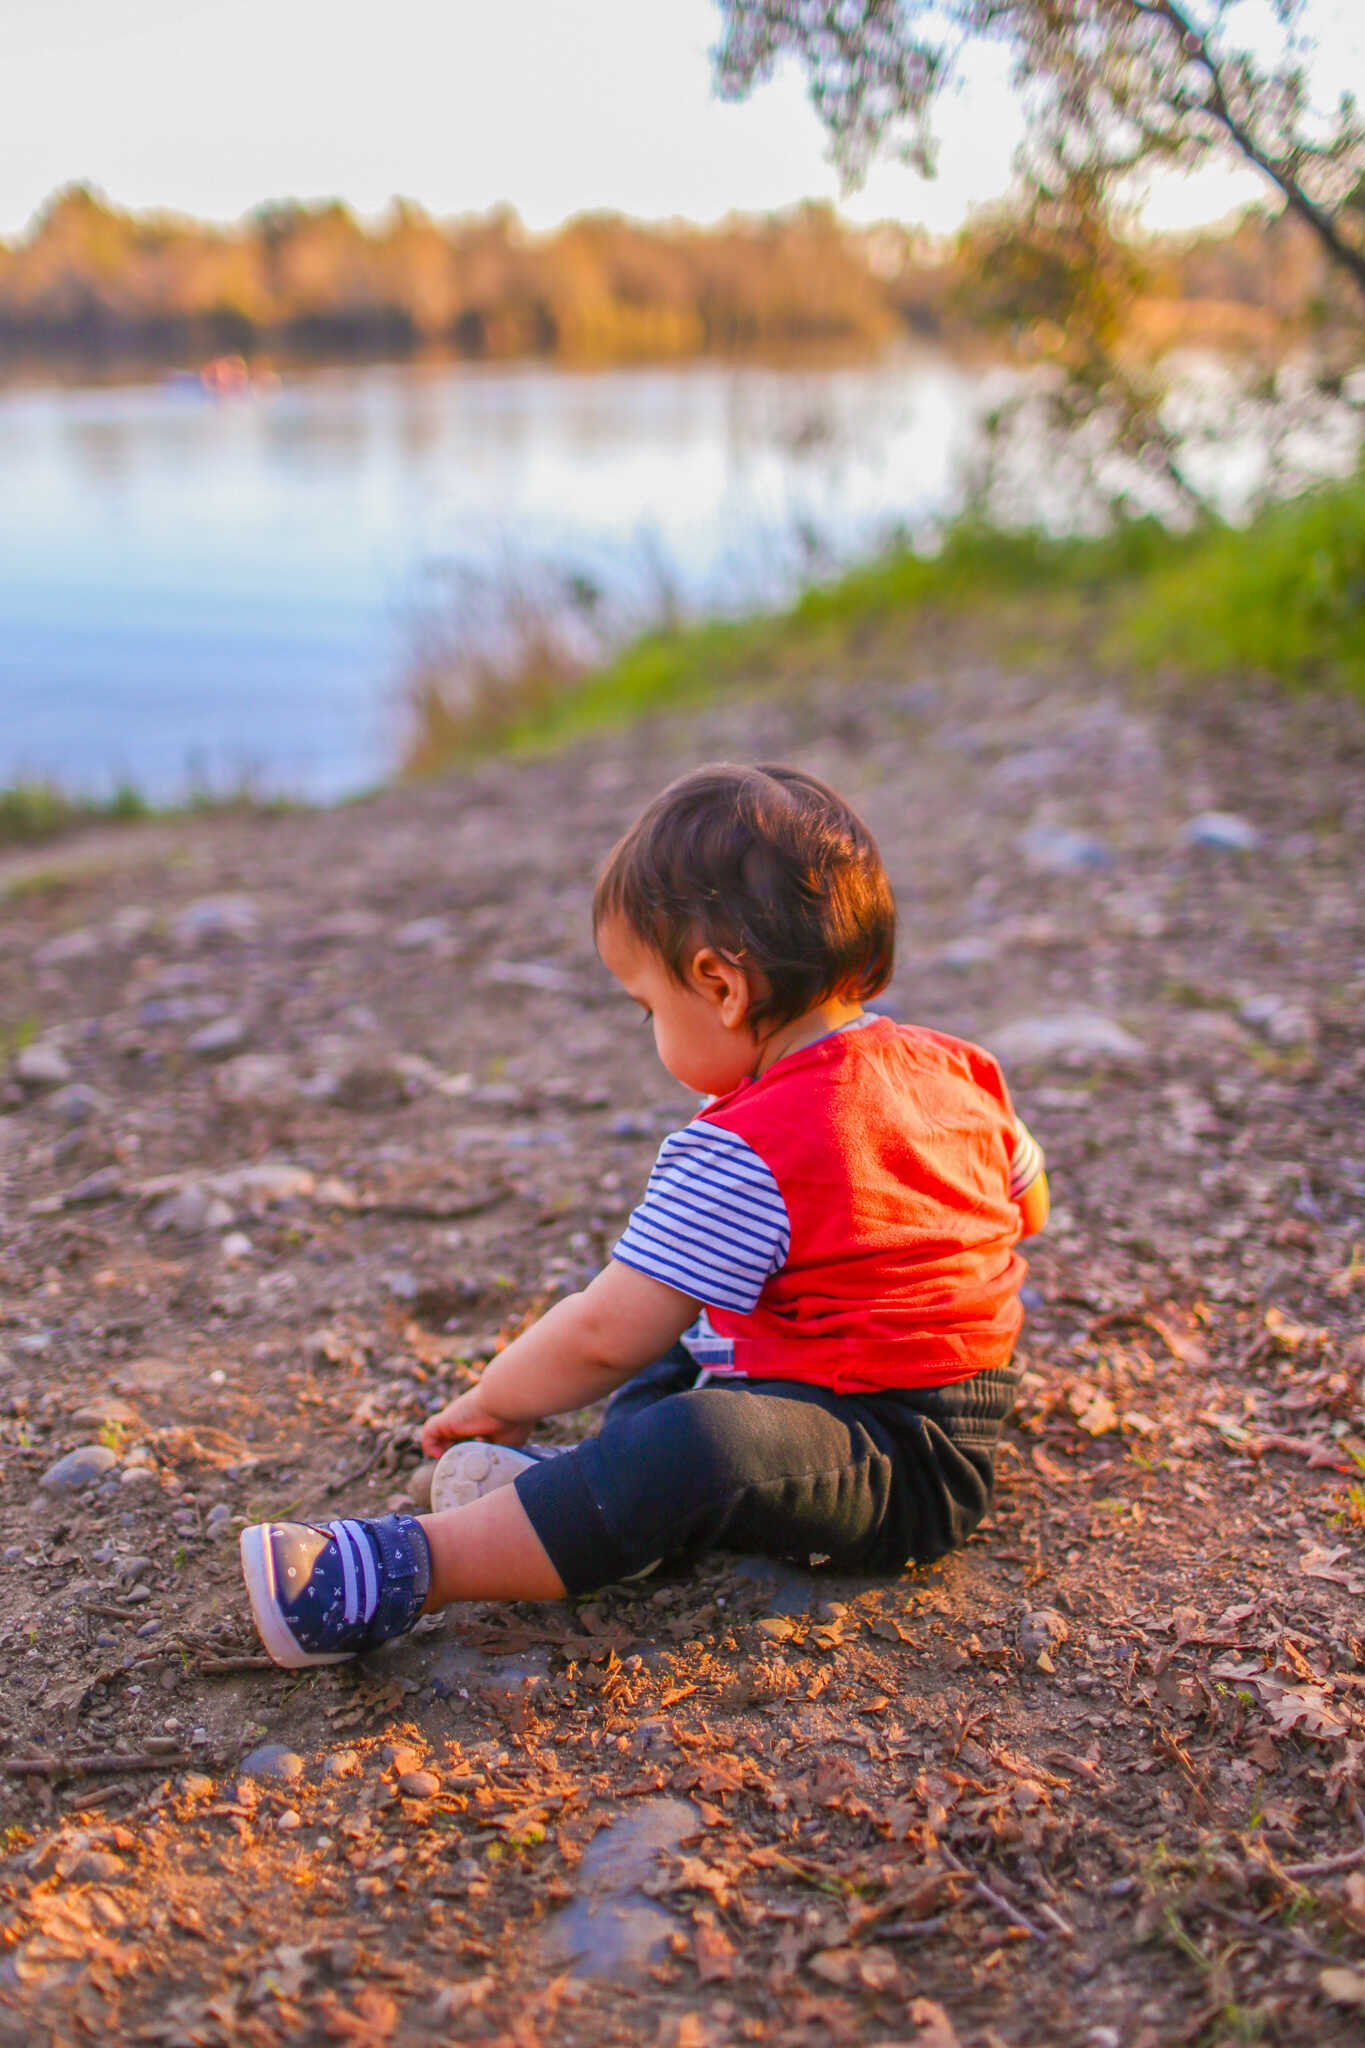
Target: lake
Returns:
[[200, 589]]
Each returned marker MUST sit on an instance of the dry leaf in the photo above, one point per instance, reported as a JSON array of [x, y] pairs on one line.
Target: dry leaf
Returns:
[[713, 1952], [936, 2030]]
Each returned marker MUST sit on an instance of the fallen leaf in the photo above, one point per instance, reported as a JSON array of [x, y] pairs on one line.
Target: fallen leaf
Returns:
[[714, 1952], [936, 2030]]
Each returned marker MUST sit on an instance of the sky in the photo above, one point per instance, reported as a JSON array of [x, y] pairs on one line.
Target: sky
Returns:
[[553, 106]]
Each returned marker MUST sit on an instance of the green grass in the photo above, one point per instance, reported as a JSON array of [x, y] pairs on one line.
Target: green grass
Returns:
[[1283, 596], [36, 810]]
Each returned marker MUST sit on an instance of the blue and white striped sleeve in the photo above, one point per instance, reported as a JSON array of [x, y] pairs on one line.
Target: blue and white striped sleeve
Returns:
[[712, 1223], [1028, 1161]]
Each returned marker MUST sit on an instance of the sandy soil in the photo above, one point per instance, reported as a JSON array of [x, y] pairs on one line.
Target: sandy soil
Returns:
[[298, 1115]]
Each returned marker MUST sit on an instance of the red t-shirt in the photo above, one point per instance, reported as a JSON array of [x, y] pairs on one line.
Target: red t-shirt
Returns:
[[849, 1219]]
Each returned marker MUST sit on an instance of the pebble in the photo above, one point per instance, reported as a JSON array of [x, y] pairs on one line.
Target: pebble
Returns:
[[1278, 1019], [273, 1760], [417, 1486], [419, 1784], [105, 1409], [1042, 1629], [101, 1186], [223, 1035], [422, 933], [98, 1866], [78, 1469], [191, 1210], [215, 917], [1057, 850], [76, 1104], [41, 1066], [139, 1475], [1222, 832], [218, 1518], [236, 1246], [263, 1185], [342, 1763], [1067, 1036], [290, 1819], [66, 947], [263, 1079]]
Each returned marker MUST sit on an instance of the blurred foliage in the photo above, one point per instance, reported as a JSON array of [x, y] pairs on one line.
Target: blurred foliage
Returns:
[[91, 278], [1111, 91], [1282, 596]]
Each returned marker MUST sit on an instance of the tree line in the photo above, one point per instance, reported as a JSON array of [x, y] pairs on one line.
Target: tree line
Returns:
[[90, 278]]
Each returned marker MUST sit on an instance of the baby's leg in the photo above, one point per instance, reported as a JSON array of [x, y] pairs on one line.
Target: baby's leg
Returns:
[[488, 1550], [779, 1469]]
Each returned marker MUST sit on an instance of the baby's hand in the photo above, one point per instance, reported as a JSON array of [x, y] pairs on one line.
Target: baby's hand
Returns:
[[467, 1417]]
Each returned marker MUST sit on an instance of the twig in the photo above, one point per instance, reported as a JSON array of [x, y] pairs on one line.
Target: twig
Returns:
[[1325, 1865], [1299, 1942], [992, 1897], [219, 1667], [100, 1764], [386, 1443]]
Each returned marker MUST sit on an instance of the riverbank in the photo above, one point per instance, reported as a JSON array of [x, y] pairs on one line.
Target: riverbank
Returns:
[[307, 1111]]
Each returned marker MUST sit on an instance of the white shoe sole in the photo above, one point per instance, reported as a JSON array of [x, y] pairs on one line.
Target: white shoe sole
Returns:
[[468, 1471], [258, 1569]]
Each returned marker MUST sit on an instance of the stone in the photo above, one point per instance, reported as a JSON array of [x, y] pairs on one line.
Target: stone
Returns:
[[101, 1186], [342, 1763], [106, 1411], [215, 917], [66, 948], [1042, 1629], [236, 1246], [263, 1185], [192, 1210], [613, 1932], [76, 1104], [1278, 1019], [419, 1784], [98, 1866], [273, 1761], [417, 1486], [1057, 850], [78, 1469], [41, 1065], [1066, 1037], [264, 1079], [423, 934], [961, 955], [222, 1036], [1222, 832]]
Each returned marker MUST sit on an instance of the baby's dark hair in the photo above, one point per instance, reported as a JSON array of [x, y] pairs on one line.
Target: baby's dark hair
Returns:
[[769, 865]]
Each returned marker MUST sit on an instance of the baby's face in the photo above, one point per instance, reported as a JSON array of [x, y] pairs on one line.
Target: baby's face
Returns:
[[701, 1028]]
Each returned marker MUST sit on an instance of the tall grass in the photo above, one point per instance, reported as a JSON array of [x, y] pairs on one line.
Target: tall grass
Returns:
[[1283, 596]]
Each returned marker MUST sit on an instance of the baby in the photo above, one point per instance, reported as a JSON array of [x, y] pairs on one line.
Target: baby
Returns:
[[805, 1330]]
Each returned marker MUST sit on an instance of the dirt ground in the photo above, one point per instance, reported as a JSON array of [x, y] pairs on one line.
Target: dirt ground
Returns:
[[297, 1115]]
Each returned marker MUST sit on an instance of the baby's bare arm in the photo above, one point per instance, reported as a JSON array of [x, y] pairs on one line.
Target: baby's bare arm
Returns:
[[581, 1349]]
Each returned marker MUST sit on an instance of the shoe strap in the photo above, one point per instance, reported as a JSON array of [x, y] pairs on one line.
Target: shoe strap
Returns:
[[404, 1574]]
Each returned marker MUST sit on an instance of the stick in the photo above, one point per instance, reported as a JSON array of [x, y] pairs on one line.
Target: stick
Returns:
[[100, 1764], [219, 1667], [1325, 1865], [991, 1896]]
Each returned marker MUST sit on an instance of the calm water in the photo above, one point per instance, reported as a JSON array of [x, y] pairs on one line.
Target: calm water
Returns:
[[200, 588]]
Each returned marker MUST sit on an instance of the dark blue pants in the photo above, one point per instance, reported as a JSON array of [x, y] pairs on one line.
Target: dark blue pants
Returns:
[[773, 1467]]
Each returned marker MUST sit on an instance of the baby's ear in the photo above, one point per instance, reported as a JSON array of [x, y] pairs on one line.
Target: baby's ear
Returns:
[[721, 979]]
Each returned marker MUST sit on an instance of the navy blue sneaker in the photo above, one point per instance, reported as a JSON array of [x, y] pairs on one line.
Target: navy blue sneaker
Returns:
[[320, 1594]]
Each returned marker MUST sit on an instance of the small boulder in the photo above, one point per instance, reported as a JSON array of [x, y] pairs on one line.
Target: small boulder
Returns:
[[78, 1469], [273, 1761], [41, 1065], [1222, 832]]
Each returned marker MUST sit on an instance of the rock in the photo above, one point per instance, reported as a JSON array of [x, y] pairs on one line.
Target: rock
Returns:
[[419, 1784], [192, 1210], [236, 1246], [76, 1104], [266, 1079], [342, 1763], [1041, 1630], [1222, 832], [215, 917], [417, 1486], [1057, 850], [66, 948], [139, 1475], [218, 1521], [100, 1186], [263, 1185], [423, 934], [41, 1065], [223, 1035], [106, 1411], [97, 1866], [963, 954], [613, 1932], [78, 1469], [1069, 1037], [273, 1761], [1278, 1019]]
